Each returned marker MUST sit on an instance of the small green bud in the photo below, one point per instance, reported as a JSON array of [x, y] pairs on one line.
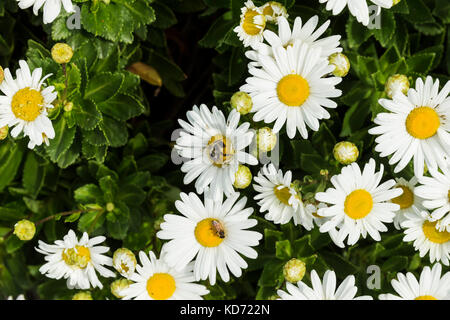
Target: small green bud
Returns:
[[341, 63], [345, 152], [118, 285], [124, 261], [110, 206], [4, 132], [243, 177], [68, 106], [396, 83], [294, 270], [242, 102], [82, 295], [24, 230], [62, 53], [266, 139]]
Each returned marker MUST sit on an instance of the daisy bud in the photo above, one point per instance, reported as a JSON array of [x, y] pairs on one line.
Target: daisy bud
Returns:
[[272, 10], [4, 132], [2, 75], [124, 261], [294, 270], [68, 106], [242, 102], [106, 1], [110, 206], [266, 139], [62, 53], [396, 83], [118, 285], [82, 295], [243, 177], [24, 230], [341, 63], [345, 152]]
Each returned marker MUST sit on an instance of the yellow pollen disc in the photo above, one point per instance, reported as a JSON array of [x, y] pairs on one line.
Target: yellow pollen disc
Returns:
[[79, 257], [282, 194], [448, 195], [434, 235], [293, 90], [406, 199], [249, 26], [358, 204], [161, 286], [124, 267], [207, 232], [268, 11], [426, 297], [219, 150], [27, 104], [422, 122]]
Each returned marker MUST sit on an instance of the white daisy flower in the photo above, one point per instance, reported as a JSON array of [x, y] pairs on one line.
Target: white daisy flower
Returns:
[[19, 297], [155, 280], [279, 198], [76, 260], [216, 148], [252, 25], [417, 127], [358, 8], [214, 232], [24, 105], [273, 10], [306, 33], [290, 88], [427, 238], [407, 200], [322, 291], [358, 203], [435, 191], [431, 286], [52, 8]]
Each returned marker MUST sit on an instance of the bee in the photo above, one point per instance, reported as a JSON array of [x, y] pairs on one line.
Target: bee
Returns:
[[219, 152], [218, 229]]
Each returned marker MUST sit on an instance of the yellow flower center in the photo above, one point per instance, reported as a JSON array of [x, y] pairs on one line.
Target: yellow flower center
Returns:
[[27, 104], [124, 267], [434, 235], [293, 90], [249, 25], [219, 150], [426, 297], [406, 199], [358, 204], [209, 232], [422, 122], [282, 194], [161, 286], [448, 195], [78, 256], [268, 11]]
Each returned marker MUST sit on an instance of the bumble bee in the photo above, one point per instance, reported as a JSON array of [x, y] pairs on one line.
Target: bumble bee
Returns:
[[218, 229], [219, 152]]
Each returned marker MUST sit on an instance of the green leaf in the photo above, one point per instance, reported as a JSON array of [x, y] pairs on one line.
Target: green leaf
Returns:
[[283, 250], [122, 107], [116, 132], [421, 62], [88, 194], [385, 33], [10, 159], [394, 264], [86, 114], [103, 86], [33, 174], [64, 137]]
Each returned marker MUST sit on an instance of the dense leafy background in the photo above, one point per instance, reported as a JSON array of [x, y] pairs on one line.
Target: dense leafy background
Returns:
[[115, 144]]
